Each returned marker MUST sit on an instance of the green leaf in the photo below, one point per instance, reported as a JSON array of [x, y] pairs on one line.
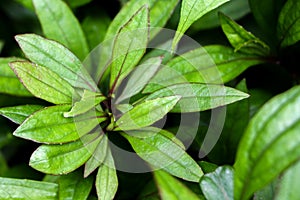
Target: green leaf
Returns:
[[60, 24], [199, 97], [9, 82], [146, 113], [27, 189], [218, 185], [107, 180], [191, 11], [288, 27], [129, 46], [242, 40], [77, 3], [172, 189], [207, 167], [57, 58], [123, 108], [139, 78], [158, 149], [74, 186], [43, 83], [62, 159], [18, 114], [39, 127], [271, 136]]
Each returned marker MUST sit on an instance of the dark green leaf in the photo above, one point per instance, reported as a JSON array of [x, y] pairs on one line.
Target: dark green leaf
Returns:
[[271, 136], [207, 167], [77, 3]]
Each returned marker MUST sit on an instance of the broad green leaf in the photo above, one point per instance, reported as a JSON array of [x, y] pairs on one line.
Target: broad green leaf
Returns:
[[77, 3], [62, 159], [218, 185], [57, 58], [129, 46], [107, 180], [27, 189], [9, 82], [50, 126], [74, 186], [199, 97], [242, 40], [272, 135], [18, 114], [172, 189], [288, 27], [139, 78], [146, 113], [43, 83], [191, 11], [163, 153], [59, 23]]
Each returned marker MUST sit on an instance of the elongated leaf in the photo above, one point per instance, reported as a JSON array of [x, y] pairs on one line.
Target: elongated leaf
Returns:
[[50, 126], [191, 11], [199, 97], [172, 189], [59, 23], [57, 58], [27, 189], [18, 114], [74, 186], [271, 136], [146, 113], [289, 23], [163, 153], [107, 180], [241, 39], [9, 82], [43, 83], [62, 159], [218, 185], [129, 46]]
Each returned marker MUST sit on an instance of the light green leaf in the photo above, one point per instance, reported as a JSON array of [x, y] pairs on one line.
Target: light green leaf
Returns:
[[129, 46], [158, 149], [9, 82], [242, 40], [27, 189], [107, 180], [218, 185], [272, 135], [57, 58], [123, 108], [62, 159], [18, 114], [172, 189], [43, 83], [191, 11], [59, 23], [74, 186], [146, 113], [288, 27], [51, 127], [199, 97]]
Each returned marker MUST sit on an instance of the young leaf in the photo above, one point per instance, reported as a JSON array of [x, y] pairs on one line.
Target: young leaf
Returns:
[[191, 11], [199, 97], [272, 135], [242, 40], [57, 58], [163, 153], [59, 23], [43, 83], [18, 114], [172, 189], [107, 180], [11, 188], [146, 113], [218, 185], [62, 159], [288, 27], [51, 127]]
